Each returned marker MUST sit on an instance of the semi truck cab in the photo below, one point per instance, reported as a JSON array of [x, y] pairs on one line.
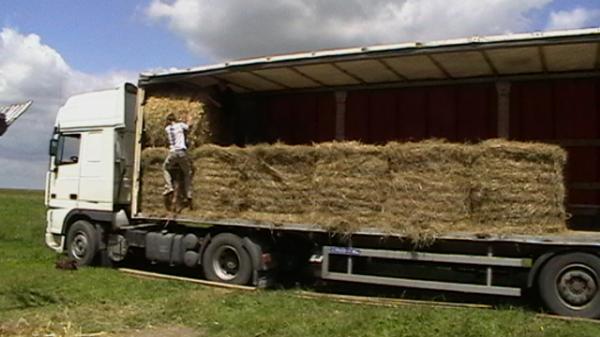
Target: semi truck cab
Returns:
[[91, 161]]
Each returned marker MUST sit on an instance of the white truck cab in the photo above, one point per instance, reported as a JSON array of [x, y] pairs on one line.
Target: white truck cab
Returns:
[[91, 161]]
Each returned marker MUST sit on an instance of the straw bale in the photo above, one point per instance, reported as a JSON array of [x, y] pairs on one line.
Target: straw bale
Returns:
[[430, 184], [210, 125], [519, 185], [216, 181], [350, 185], [279, 184], [152, 185]]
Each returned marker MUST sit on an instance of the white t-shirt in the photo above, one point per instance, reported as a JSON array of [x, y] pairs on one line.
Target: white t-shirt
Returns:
[[176, 135]]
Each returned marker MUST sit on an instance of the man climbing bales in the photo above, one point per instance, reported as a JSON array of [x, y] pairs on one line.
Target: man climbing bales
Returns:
[[177, 160]]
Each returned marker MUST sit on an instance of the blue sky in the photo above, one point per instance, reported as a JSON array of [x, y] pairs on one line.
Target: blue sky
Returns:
[[99, 36], [50, 50]]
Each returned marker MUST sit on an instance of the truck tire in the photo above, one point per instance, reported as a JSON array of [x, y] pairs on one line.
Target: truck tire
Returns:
[[225, 260], [82, 242], [569, 285]]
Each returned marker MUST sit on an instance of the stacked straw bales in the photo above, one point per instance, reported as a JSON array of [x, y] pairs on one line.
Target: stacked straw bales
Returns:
[[416, 189]]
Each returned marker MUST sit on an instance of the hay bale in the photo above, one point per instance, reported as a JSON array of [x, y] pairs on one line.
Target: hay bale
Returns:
[[210, 125], [519, 187], [350, 186], [430, 185], [153, 182], [279, 182], [217, 181]]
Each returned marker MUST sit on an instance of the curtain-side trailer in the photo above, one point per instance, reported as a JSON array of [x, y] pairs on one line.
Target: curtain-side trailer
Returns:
[[93, 184]]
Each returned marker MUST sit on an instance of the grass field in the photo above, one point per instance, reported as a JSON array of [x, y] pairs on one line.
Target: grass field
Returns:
[[37, 300]]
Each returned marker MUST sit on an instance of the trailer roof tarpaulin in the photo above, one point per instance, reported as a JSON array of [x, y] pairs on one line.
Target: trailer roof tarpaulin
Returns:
[[503, 56], [10, 113]]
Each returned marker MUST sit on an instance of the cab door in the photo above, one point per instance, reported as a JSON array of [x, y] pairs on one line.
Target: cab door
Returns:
[[65, 173]]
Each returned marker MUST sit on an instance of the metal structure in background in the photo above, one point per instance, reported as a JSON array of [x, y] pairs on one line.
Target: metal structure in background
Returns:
[[10, 113]]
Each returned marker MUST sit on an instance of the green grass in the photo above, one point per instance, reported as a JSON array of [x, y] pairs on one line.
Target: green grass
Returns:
[[36, 298]]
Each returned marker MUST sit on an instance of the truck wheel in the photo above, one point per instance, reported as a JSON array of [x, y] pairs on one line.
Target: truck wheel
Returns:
[[225, 260], [569, 285], [82, 242]]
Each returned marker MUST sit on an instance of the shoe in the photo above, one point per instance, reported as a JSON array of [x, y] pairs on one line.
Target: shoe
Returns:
[[168, 192]]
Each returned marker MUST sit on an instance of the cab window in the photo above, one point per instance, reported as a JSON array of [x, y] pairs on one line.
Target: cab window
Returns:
[[68, 149]]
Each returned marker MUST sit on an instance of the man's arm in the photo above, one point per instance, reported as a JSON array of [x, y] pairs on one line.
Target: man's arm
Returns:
[[188, 123]]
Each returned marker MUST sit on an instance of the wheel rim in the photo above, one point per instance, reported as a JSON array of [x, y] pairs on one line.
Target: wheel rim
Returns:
[[577, 285], [79, 246], [226, 262]]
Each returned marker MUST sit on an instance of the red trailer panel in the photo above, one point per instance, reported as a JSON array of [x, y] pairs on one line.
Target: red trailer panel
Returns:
[[566, 112], [455, 113], [299, 118]]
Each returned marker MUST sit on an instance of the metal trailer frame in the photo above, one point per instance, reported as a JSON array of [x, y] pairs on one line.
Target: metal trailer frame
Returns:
[[489, 260], [347, 245]]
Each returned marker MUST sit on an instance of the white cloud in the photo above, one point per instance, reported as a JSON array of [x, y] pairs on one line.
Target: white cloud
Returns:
[[578, 17], [240, 28], [30, 69]]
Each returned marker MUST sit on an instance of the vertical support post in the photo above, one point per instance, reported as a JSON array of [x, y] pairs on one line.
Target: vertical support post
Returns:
[[349, 265], [503, 94], [325, 262], [340, 115], [488, 279], [139, 124]]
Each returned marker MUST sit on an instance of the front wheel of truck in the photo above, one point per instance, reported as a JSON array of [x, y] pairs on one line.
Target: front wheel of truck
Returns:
[[82, 242]]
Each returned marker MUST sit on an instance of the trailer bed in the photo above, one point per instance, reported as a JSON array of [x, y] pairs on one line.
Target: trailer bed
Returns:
[[566, 238]]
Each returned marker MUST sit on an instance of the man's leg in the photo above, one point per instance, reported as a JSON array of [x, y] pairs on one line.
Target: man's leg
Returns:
[[167, 175], [186, 169]]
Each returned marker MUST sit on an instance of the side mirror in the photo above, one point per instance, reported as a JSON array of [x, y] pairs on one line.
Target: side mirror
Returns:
[[53, 148]]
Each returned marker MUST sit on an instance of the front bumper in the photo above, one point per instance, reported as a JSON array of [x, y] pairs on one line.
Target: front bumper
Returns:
[[56, 242]]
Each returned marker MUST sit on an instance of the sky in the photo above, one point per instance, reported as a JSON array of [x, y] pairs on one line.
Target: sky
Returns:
[[50, 50]]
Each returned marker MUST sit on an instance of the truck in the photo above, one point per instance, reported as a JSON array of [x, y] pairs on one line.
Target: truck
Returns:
[[534, 86]]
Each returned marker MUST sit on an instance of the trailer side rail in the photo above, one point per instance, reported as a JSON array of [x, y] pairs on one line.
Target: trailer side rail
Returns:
[[486, 260]]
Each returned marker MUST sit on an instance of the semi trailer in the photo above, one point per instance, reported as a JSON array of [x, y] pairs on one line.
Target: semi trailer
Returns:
[[539, 86]]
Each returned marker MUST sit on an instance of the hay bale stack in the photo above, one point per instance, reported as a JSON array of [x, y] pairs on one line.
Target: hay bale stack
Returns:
[[430, 185], [519, 187], [416, 189], [210, 126], [350, 186], [279, 182]]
